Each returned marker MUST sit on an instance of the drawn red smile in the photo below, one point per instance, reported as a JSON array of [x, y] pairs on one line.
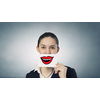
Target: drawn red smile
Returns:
[[46, 60]]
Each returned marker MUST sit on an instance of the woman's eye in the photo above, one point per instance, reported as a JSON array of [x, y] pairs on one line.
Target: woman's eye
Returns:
[[53, 47], [42, 47]]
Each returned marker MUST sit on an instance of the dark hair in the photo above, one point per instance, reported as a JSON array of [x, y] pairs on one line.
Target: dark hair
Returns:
[[48, 34]]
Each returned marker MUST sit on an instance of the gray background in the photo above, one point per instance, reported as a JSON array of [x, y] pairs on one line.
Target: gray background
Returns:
[[79, 47]]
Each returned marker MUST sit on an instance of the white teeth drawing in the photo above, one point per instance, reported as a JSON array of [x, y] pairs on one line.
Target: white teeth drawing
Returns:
[[47, 59]]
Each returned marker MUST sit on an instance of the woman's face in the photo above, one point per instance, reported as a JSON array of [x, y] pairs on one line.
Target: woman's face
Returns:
[[47, 46]]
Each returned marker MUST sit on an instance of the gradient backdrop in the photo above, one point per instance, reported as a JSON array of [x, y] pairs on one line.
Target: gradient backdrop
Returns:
[[79, 47]]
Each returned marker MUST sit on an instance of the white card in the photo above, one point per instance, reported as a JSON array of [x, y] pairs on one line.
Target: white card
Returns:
[[47, 60]]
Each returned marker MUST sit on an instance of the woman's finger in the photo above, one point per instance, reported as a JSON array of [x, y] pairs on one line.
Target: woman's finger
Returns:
[[57, 69]]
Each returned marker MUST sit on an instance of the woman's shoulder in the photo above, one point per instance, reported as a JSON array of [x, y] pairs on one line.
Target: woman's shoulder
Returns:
[[71, 73], [32, 74]]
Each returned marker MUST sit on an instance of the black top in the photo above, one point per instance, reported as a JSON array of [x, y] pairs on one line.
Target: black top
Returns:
[[70, 74]]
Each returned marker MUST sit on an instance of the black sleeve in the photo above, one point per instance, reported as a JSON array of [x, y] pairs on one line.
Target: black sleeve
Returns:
[[27, 75], [71, 73], [30, 74]]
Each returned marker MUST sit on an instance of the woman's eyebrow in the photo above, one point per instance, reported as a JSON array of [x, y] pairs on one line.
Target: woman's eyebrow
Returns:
[[53, 45], [42, 45], [50, 45]]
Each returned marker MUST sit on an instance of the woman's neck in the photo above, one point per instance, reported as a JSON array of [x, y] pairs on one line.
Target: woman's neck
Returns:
[[45, 71]]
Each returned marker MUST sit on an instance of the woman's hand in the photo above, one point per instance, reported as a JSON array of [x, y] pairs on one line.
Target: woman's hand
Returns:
[[61, 69]]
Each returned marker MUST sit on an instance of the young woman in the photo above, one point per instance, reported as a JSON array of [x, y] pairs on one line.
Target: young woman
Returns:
[[48, 44]]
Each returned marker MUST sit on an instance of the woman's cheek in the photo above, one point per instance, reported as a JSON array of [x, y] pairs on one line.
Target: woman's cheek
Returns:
[[54, 52], [43, 52]]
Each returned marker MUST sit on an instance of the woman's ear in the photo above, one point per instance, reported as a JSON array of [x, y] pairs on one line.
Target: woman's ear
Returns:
[[37, 48], [58, 49]]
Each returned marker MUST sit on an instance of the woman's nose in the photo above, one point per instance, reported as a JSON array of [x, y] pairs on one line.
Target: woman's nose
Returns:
[[48, 51]]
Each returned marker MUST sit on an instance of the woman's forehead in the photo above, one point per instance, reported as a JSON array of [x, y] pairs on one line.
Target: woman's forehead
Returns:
[[48, 40]]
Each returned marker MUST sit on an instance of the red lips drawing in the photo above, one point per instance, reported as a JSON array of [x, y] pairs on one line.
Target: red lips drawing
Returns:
[[46, 60]]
